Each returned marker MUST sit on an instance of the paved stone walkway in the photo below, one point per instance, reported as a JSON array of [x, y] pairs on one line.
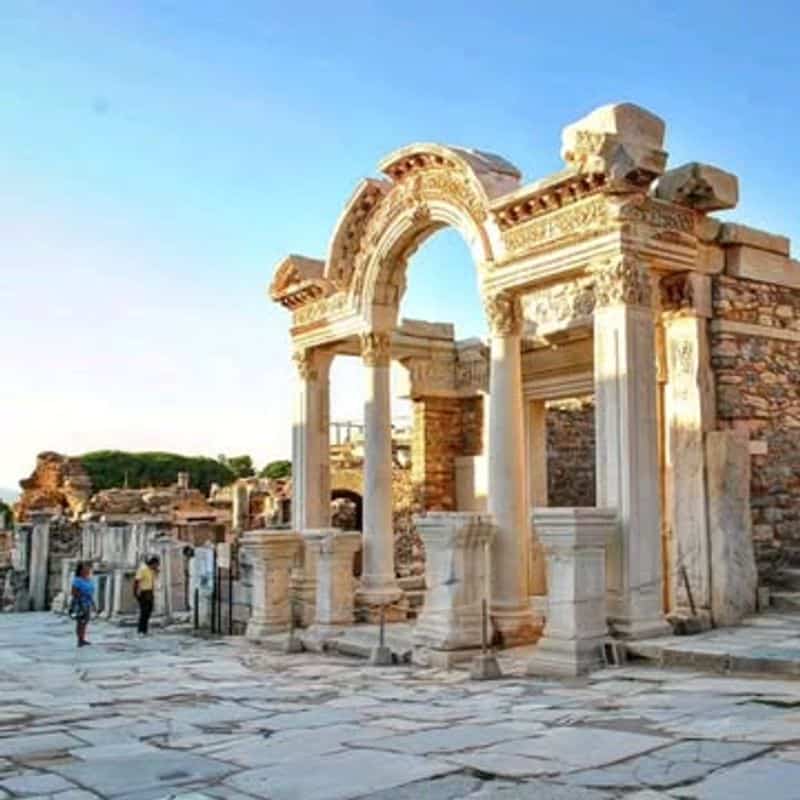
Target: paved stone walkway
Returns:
[[177, 717]]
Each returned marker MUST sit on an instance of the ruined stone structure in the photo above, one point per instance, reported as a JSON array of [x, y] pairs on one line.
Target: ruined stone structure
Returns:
[[58, 483], [609, 280]]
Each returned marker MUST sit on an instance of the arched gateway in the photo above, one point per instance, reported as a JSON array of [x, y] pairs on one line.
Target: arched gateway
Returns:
[[567, 269]]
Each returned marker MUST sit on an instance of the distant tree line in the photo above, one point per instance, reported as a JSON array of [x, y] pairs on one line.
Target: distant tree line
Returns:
[[109, 469]]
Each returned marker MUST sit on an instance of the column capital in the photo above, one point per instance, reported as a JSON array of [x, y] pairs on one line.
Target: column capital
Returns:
[[311, 362], [503, 313], [622, 279], [376, 348]]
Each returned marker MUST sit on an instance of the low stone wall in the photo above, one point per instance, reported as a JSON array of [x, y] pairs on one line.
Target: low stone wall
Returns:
[[571, 452], [755, 355]]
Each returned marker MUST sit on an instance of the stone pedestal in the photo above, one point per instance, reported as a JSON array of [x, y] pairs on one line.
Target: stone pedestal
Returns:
[[510, 604], [574, 541], [124, 600], [333, 551], [455, 578], [272, 554]]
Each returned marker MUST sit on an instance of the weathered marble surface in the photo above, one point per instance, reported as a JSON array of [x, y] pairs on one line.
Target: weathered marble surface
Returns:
[[179, 717]]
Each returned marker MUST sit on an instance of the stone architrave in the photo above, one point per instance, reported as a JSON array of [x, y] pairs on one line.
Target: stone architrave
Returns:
[[688, 416], [38, 561], [627, 443], [272, 554], [378, 582], [333, 550], [455, 578], [574, 542], [311, 441], [734, 574], [510, 605]]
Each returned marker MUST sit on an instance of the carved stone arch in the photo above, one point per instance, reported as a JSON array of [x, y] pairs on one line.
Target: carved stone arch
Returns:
[[434, 187]]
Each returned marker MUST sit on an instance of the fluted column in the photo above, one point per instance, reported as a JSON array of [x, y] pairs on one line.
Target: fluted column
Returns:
[[378, 581], [627, 445], [510, 607], [311, 448]]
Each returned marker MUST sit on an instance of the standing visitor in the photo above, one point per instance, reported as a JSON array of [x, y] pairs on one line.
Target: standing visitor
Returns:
[[82, 601], [144, 585]]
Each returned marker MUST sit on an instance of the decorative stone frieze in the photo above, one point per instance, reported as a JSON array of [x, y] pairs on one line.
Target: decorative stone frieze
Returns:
[[557, 307], [503, 314], [376, 349], [621, 279]]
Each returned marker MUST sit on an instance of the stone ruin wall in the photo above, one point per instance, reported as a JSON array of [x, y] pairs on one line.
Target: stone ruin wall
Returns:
[[571, 452], [758, 390]]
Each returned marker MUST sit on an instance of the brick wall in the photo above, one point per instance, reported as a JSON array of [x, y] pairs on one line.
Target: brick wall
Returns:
[[570, 452], [758, 390]]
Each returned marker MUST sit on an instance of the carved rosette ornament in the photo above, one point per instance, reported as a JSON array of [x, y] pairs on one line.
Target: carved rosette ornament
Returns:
[[306, 366], [503, 314], [376, 349], [621, 279]]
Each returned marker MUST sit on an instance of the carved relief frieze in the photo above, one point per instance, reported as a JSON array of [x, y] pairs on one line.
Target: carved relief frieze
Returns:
[[561, 306], [585, 218], [376, 349], [431, 375], [621, 279], [658, 215], [681, 367], [472, 376], [321, 310]]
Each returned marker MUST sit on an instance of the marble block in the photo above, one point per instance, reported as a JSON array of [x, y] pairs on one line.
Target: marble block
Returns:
[[574, 542], [332, 550], [456, 575]]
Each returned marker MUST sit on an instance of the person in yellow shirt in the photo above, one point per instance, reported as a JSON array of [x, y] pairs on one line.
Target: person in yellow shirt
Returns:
[[144, 585]]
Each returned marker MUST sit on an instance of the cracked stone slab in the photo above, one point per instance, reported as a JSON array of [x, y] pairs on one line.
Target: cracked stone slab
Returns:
[[570, 749], [540, 790], [37, 745], [33, 783], [767, 777], [450, 787], [450, 740], [339, 776]]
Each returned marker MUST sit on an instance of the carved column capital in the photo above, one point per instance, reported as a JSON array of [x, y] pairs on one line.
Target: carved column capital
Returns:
[[376, 349], [621, 279], [677, 293], [503, 313], [306, 364]]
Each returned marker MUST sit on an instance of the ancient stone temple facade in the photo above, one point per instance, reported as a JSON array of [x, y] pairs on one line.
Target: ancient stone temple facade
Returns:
[[609, 284]]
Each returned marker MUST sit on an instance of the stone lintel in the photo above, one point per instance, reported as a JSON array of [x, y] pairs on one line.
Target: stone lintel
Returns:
[[753, 264]]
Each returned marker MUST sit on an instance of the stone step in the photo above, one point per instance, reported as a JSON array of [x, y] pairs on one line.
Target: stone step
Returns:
[[785, 600]]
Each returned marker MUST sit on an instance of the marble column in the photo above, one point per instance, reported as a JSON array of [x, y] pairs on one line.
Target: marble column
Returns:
[[272, 554], [688, 416], [311, 479], [512, 616], [39, 558], [378, 581], [455, 579], [574, 542], [627, 446]]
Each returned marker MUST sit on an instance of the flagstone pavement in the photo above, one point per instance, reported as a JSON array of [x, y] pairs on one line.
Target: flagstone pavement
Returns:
[[180, 717]]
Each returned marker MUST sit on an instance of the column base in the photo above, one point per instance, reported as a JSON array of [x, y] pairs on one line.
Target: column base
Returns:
[[636, 629], [515, 626], [566, 657], [260, 630], [370, 602]]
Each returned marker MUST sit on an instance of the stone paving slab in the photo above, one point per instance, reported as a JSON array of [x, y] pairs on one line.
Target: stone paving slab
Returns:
[[182, 717]]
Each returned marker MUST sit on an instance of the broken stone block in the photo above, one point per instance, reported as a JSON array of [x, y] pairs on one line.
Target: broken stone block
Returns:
[[734, 578], [699, 186], [622, 141]]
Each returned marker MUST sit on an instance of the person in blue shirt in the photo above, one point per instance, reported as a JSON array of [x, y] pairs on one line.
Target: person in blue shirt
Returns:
[[82, 600]]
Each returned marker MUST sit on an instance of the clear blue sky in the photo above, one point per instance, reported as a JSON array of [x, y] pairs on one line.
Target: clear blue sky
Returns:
[[157, 159]]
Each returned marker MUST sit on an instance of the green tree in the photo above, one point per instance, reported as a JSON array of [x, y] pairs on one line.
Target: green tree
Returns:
[[277, 469], [109, 469], [6, 514], [240, 466]]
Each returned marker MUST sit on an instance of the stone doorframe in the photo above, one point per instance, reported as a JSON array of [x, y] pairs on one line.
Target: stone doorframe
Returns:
[[579, 247]]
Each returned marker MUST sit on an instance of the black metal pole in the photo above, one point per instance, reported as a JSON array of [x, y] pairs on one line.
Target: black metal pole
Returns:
[[196, 608], [230, 600], [214, 592]]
